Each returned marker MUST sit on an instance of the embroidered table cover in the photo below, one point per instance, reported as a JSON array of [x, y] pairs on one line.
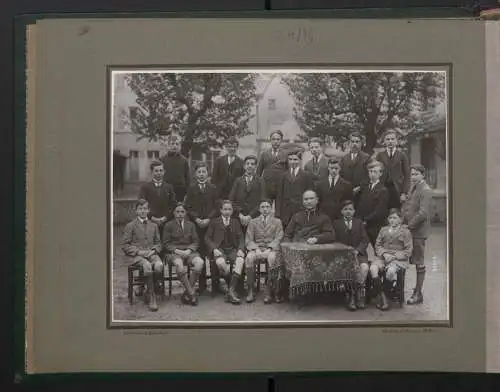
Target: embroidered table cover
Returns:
[[317, 268]]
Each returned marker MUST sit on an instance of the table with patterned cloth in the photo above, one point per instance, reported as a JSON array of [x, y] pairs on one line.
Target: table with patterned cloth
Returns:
[[315, 269]]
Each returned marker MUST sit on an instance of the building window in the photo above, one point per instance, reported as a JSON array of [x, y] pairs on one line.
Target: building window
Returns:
[[153, 154], [134, 154], [271, 104]]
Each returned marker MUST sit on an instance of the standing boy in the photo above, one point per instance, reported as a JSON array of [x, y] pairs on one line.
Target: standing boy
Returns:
[[181, 243], [227, 169], [373, 202], [141, 240], [351, 231], [263, 237], [291, 186], [416, 214], [318, 164], [333, 190], [226, 243], [353, 164], [247, 192], [176, 168], [201, 203], [159, 195], [396, 176], [268, 167]]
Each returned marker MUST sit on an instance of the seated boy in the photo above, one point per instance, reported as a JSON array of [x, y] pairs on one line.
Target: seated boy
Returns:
[[141, 240], [159, 195], [181, 244], [263, 237], [393, 248], [224, 240], [351, 231]]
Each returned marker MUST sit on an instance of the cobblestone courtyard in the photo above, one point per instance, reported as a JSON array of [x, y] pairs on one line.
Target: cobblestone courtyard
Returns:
[[215, 309]]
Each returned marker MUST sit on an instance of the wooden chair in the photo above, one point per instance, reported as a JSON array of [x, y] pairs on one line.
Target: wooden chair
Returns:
[[136, 279], [397, 294], [170, 277], [259, 273]]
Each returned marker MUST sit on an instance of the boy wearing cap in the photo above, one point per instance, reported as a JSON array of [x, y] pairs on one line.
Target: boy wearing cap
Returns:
[[227, 168], [416, 214]]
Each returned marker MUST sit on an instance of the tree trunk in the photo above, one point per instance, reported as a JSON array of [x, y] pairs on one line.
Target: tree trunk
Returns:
[[188, 140], [371, 136]]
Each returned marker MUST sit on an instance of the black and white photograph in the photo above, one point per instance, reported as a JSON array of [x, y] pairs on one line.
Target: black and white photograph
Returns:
[[279, 196]]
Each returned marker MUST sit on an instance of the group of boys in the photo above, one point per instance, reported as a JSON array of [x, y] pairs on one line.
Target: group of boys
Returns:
[[228, 219]]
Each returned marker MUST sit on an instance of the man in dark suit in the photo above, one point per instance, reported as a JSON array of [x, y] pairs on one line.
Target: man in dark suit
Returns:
[[176, 168], [159, 195], [247, 192], [309, 225], [353, 164], [226, 243], [333, 190], [416, 214], [318, 164], [396, 176], [227, 169], [372, 207], [291, 186], [268, 160], [351, 231]]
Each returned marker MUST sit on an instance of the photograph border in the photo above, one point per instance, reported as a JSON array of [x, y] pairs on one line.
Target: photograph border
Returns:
[[446, 67]]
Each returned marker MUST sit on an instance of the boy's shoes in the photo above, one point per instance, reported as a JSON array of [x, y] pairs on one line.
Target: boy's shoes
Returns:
[[351, 305], [360, 299], [233, 298], [415, 299], [383, 302]]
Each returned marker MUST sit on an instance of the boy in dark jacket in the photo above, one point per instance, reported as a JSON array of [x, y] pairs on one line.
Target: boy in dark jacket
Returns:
[[176, 168], [225, 241]]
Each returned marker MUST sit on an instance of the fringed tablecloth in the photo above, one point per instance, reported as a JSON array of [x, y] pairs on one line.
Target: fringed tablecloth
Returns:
[[315, 269]]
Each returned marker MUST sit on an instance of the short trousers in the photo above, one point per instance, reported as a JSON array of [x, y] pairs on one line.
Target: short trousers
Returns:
[[381, 264], [230, 255], [188, 260], [417, 255], [147, 264]]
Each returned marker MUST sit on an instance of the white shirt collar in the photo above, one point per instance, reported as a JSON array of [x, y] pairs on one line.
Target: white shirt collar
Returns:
[[373, 184], [333, 180], [226, 220]]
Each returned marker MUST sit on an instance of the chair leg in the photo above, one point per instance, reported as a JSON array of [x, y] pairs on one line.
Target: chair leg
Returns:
[[130, 286], [257, 275], [170, 268], [401, 283]]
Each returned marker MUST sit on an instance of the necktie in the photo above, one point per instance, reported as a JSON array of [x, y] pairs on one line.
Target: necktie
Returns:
[[181, 224], [265, 221], [315, 165], [349, 224], [391, 153]]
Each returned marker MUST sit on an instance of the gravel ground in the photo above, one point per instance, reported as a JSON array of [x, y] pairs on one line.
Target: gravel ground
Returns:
[[215, 309]]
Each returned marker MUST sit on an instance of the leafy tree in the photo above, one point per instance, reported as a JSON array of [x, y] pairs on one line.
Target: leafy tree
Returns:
[[331, 105], [204, 108]]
